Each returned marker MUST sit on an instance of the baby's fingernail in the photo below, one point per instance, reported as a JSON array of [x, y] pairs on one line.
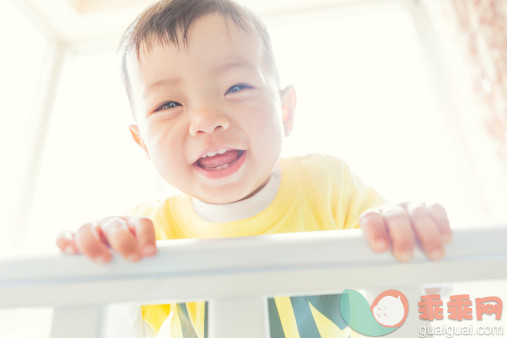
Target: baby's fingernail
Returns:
[[149, 250], [70, 250], [405, 256], [134, 257], [436, 254]]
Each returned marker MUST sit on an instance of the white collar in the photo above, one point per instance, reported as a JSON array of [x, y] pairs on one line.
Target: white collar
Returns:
[[220, 213]]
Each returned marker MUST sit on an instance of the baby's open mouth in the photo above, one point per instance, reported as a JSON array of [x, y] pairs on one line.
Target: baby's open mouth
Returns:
[[220, 160]]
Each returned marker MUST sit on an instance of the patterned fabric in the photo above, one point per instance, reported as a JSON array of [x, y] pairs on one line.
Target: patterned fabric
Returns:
[[314, 316]]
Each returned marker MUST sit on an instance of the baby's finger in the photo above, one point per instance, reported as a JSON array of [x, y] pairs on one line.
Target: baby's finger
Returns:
[[426, 230], [374, 228], [440, 216], [144, 231], [400, 231], [88, 242], [121, 238], [65, 241]]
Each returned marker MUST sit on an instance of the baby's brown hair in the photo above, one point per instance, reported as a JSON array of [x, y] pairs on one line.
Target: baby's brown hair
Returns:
[[168, 22]]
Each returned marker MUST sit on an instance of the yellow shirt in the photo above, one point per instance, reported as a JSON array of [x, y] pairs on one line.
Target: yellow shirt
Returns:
[[317, 192]]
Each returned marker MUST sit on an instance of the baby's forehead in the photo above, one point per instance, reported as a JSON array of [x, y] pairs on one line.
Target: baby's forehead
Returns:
[[212, 42], [208, 32]]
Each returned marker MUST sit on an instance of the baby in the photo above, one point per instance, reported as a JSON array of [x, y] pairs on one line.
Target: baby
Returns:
[[211, 117]]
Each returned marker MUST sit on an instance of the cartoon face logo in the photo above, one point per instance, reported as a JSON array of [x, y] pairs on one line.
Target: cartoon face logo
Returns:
[[390, 308]]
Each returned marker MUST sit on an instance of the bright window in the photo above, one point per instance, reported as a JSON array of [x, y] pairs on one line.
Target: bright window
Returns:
[[364, 94], [22, 59]]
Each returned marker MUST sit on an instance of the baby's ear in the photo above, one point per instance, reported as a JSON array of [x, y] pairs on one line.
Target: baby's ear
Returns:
[[288, 98], [134, 131]]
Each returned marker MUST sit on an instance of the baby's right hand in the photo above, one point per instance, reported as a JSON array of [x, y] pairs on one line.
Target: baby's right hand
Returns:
[[132, 237]]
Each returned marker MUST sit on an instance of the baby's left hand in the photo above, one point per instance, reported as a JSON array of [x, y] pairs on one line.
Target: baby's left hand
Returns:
[[400, 226]]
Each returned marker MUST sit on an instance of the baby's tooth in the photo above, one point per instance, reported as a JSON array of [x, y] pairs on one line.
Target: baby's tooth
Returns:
[[222, 166], [212, 153]]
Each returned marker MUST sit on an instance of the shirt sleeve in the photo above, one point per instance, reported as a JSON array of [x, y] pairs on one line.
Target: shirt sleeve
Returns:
[[353, 196], [143, 210], [155, 212]]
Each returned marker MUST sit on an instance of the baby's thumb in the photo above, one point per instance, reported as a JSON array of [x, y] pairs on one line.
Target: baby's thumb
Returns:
[[65, 241]]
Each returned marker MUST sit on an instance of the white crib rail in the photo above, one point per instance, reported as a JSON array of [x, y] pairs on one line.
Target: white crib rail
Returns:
[[237, 274]]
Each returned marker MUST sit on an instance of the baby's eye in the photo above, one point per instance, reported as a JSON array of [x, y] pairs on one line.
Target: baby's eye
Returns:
[[168, 105], [236, 88]]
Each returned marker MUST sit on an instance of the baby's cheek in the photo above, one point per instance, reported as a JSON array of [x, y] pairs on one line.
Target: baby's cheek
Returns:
[[270, 132], [168, 157]]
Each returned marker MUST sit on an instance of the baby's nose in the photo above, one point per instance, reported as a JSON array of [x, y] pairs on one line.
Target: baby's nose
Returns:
[[207, 122]]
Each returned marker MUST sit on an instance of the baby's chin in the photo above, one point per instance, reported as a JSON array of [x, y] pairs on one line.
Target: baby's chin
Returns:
[[230, 192], [225, 196], [220, 198]]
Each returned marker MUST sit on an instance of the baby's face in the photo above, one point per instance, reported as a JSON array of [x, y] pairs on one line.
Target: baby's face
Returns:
[[210, 114]]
